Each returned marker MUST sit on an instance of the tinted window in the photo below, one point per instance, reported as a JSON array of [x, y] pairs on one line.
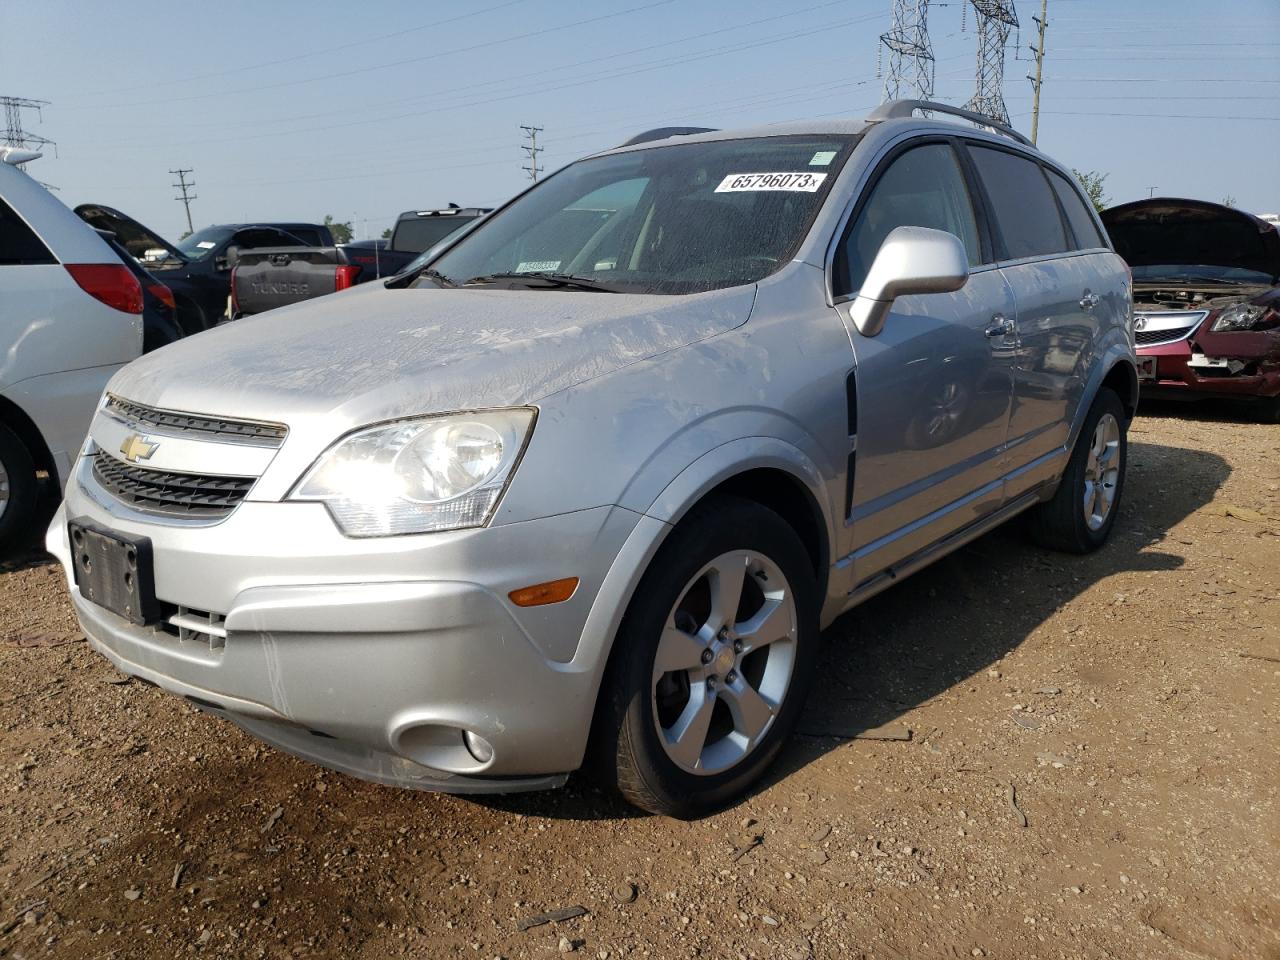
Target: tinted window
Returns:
[[420, 233], [201, 243], [18, 242], [308, 236], [672, 219], [250, 239], [1026, 214], [922, 188], [1082, 225]]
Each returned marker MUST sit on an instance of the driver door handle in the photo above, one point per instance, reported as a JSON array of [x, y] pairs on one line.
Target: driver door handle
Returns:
[[1000, 326]]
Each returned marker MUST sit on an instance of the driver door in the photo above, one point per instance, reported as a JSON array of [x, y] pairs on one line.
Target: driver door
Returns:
[[935, 386]]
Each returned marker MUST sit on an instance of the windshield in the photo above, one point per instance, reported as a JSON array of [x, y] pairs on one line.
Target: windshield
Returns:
[[1161, 272], [676, 219], [201, 243]]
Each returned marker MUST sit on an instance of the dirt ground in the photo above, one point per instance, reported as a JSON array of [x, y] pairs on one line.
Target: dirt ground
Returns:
[[1126, 704]]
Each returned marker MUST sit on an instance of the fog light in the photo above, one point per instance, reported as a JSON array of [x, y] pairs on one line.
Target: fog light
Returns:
[[478, 746]]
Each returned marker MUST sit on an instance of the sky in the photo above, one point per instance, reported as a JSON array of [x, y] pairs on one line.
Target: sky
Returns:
[[365, 108]]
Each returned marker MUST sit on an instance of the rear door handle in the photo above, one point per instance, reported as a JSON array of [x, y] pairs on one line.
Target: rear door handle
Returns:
[[1000, 326], [1089, 300]]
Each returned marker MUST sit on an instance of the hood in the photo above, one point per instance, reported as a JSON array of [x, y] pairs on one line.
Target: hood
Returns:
[[374, 354], [132, 235], [1170, 231]]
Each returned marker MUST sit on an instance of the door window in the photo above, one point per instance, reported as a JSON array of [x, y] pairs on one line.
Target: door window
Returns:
[[922, 188], [1026, 213], [1082, 224], [19, 244]]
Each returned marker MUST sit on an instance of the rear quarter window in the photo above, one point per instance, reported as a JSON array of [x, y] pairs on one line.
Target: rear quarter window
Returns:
[[1082, 225], [19, 244], [1026, 212]]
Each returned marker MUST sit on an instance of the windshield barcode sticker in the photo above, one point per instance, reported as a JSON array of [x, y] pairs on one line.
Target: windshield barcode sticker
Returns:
[[800, 182], [537, 266]]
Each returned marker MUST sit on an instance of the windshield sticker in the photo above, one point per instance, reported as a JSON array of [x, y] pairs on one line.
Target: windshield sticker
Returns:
[[537, 266], [822, 158], [206, 244], [793, 182]]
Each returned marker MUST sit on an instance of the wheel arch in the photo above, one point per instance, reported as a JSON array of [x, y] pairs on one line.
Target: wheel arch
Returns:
[[17, 420]]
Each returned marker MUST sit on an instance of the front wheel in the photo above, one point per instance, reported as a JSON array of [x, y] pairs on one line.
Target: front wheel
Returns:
[[1082, 512], [18, 493], [711, 663]]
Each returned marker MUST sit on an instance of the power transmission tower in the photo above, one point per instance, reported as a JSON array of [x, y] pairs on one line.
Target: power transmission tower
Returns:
[[531, 149], [1042, 22], [186, 198], [910, 73], [995, 19], [14, 134]]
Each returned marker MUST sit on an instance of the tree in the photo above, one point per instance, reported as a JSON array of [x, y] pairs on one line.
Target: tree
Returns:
[[341, 231], [1092, 182], [386, 234], [185, 234], [1228, 201]]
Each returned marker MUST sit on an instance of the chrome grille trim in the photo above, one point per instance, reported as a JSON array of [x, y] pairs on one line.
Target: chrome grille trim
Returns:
[[1166, 326], [221, 428], [168, 493]]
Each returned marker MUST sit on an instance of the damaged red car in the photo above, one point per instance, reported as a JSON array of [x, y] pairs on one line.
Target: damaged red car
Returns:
[[1206, 300]]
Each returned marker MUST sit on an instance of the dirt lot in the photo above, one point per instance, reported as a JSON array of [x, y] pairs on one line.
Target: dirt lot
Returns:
[[1131, 698]]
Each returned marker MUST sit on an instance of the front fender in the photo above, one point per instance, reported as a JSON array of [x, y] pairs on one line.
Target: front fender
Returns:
[[1116, 353]]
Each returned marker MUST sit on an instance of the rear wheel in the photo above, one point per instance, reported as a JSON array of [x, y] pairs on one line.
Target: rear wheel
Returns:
[[712, 661], [18, 493], [1082, 512]]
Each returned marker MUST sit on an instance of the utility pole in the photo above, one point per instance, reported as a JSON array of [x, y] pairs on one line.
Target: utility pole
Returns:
[[1151, 192], [531, 149], [1042, 22], [186, 198]]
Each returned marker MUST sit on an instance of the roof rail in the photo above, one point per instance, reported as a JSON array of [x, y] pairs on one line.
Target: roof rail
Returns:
[[662, 133], [17, 155], [898, 109]]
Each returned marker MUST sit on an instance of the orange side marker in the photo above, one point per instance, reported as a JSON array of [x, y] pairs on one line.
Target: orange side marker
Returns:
[[554, 591]]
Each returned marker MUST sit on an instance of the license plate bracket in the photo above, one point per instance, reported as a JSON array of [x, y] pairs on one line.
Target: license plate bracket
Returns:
[[115, 572], [1146, 368]]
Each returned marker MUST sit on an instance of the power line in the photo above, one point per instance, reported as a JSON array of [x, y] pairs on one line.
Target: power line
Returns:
[[186, 199], [532, 149]]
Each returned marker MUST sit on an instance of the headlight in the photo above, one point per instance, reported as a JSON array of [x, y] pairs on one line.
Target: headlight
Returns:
[[1243, 316], [418, 476]]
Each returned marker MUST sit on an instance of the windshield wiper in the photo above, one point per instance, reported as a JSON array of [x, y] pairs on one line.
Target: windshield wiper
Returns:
[[429, 274], [554, 281]]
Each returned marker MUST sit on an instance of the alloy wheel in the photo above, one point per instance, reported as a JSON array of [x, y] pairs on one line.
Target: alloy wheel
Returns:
[[1101, 472], [724, 662]]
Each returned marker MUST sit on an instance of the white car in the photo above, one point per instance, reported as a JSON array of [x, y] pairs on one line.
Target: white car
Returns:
[[70, 316]]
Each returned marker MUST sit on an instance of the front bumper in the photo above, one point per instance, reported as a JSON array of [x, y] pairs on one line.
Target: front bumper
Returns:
[[1181, 375], [374, 656]]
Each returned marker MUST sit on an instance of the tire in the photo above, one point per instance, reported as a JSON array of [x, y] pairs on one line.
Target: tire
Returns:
[[1067, 522], [740, 689], [19, 493]]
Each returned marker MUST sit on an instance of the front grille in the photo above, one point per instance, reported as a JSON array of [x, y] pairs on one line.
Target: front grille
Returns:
[[248, 431], [1169, 327], [165, 492]]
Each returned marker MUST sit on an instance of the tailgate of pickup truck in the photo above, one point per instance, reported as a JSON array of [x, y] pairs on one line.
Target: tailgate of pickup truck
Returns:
[[272, 277]]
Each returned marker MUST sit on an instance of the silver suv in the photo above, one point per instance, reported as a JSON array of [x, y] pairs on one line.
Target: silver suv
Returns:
[[589, 483]]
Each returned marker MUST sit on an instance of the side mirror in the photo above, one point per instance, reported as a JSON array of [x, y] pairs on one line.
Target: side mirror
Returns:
[[911, 260], [228, 259]]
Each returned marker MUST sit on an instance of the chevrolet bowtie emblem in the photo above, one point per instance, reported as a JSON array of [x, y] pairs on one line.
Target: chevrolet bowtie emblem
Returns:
[[137, 447]]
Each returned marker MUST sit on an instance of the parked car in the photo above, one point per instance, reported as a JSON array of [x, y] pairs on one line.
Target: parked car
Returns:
[[568, 489], [159, 322], [198, 268], [70, 316], [1206, 292], [275, 277]]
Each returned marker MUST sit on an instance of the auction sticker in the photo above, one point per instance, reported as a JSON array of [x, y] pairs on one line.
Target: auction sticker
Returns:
[[795, 182]]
